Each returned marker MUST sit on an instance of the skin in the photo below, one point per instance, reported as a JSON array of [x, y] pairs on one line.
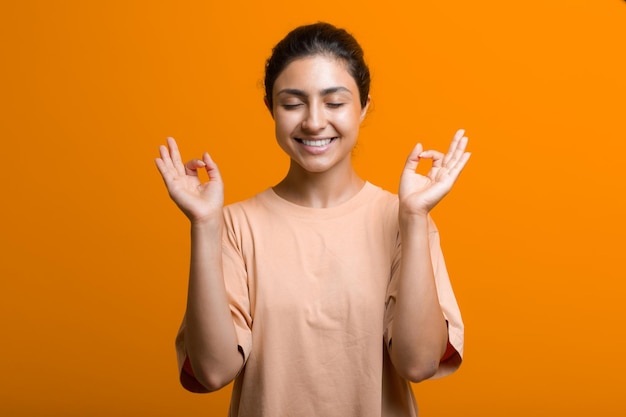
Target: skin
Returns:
[[315, 98], [420, 335], [210, 337]]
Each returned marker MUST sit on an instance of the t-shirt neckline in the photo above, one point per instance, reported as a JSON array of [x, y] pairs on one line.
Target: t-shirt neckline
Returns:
[[277, 203]]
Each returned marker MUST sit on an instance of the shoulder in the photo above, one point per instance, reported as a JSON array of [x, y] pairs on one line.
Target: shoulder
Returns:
[[379, 209], [381, 194], [243, 218], [253, 204], [388, 202], [381, 200]]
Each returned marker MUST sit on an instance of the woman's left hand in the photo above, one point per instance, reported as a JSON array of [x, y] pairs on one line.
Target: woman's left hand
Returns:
[[418, 193]]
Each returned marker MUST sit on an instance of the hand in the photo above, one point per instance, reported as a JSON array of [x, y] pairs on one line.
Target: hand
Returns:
[[199, 201], [418, 194]]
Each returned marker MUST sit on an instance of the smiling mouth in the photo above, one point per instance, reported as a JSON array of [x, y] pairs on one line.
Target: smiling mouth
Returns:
[[316, 143]]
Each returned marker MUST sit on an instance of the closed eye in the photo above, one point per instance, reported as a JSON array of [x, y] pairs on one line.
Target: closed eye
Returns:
[[334, 105], [291, 106]]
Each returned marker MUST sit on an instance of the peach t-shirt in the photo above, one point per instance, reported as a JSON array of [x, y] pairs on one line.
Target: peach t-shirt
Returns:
[[312, 294]]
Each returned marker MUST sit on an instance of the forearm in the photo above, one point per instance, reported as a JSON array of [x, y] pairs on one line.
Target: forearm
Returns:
[[419, 328], [210, 336]]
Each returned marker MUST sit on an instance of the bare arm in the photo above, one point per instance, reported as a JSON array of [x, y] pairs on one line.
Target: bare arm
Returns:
[[210, 336], [419, 329], [210, 333]]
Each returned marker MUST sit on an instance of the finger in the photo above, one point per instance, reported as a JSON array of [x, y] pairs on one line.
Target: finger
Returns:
[[436, 156], [456, 170], [165, 156], [453, 145], [166, 166], [161, 166], [191, 167], [458, 153], [177, 161], [211, 168], [413, 160], [165, 171]]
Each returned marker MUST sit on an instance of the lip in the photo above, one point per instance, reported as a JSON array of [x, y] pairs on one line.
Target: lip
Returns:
[[316, 145]]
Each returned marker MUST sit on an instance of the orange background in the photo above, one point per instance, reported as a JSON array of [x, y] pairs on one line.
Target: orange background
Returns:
[[94, 255]]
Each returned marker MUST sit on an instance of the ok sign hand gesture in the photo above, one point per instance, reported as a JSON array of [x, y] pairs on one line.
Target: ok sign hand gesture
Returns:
[[418, 194], [199, 201]]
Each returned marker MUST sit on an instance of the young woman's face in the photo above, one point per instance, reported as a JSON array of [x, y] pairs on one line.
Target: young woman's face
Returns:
[[317, 113]]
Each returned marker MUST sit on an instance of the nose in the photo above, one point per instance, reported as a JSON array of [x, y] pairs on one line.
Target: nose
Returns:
[[314, 119]]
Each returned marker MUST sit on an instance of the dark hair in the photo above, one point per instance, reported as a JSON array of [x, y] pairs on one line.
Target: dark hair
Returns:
[[319, 38]]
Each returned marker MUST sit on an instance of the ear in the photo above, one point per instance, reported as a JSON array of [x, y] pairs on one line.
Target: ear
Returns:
[[364, 109], [267, 104]]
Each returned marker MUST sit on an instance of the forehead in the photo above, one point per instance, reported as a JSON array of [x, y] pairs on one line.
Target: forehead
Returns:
[[314, 73]]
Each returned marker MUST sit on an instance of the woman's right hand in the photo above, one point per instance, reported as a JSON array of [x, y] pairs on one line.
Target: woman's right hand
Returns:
[[199, 201]]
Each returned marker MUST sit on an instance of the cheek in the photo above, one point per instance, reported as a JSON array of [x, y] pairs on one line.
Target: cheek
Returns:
[[349, 120], [279, 127], [286, 123]]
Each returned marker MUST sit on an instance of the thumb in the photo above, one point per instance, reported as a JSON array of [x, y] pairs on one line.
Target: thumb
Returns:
[[413, 160], [211, 168]]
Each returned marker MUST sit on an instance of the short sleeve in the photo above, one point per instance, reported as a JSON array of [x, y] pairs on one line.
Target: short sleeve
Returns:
[[235, 279], [453, 357]]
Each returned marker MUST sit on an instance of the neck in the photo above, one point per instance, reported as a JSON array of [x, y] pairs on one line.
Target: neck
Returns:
[[319, 190]]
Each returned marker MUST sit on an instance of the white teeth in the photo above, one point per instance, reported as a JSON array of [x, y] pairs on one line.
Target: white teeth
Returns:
[[322, 142]]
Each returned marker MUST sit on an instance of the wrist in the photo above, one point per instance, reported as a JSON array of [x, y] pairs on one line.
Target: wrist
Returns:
[[412, 220], [207, 222], [409, 213]]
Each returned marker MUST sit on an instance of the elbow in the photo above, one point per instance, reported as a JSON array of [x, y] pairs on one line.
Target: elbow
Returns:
[[216, 377], [423, 372], [419, 370], [415, 366], [203, 379], [213, 383]]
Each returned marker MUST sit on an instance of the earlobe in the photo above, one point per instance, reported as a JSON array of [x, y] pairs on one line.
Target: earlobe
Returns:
[[364, 109], [267, 105]]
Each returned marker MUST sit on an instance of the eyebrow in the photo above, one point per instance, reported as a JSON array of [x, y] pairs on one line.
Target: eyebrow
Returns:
[[324, 92]]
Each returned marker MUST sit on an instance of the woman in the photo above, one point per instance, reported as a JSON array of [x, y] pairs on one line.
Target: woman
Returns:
[[324, 295]]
